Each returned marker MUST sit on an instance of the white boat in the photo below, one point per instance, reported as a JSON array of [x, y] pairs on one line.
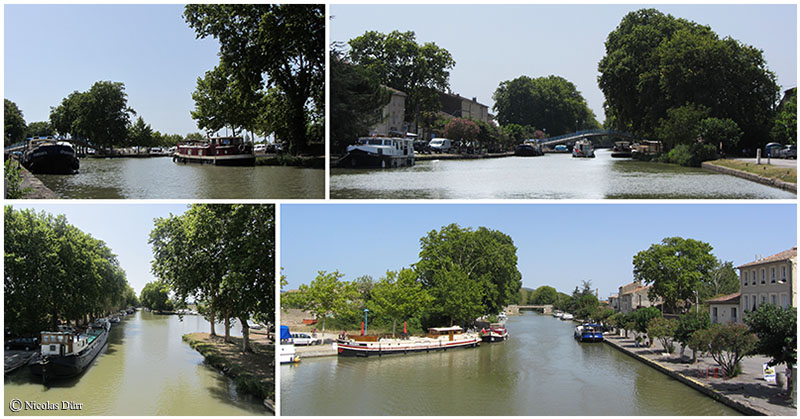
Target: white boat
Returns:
[[502, 316], [558, 314], [589, 332], [496, 332], [287, 354], [583, 148], [383, 152], [567, 316], [437, 339]]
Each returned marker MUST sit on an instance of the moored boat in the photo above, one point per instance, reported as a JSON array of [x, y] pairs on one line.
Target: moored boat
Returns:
[[383, 152], [496, 332], [66, 354], [583, 148], [287, 354], [219, 151], [528, 149], [437, 339], [567, 316], [50, 156], [622, 149], [589, 332], [558, 314]]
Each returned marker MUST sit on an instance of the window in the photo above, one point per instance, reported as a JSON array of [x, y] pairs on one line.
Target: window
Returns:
[[745, 278], [774, 299], [773, 276], [784, 300], [783, 274], [746, 303], [754, 302], [733, 315], [763, 276], [763, 299]]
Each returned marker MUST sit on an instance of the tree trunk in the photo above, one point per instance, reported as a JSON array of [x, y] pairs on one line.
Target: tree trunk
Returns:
[[394, 325], [228, 328], [211, 320], [323, 325], [245, 336]]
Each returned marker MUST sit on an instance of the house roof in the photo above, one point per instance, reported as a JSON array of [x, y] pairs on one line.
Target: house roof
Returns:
[[785, 255], [726, 299]]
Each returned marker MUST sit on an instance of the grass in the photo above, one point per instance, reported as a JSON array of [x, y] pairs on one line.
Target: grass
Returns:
[[785, 174], [253, 373]]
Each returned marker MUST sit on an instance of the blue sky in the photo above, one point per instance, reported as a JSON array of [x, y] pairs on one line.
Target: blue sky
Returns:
[[124, 227], [495, 43], [53, 50], [557, 244]]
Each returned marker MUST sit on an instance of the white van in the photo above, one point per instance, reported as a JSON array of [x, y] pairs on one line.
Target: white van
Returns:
[[440, 145]]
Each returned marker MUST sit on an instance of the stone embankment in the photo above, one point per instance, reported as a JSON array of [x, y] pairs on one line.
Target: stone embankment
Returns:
[[750, 176], [37, 190]]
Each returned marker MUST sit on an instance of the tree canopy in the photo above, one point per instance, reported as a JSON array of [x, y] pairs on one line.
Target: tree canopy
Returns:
[[399, 296], [326, 295], [14, 123], [155, 296]]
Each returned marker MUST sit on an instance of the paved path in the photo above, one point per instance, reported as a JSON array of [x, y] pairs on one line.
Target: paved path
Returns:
[[747, 392], [775, 162]]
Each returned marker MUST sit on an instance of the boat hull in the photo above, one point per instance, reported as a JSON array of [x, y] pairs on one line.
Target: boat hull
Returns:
[[494, 337], [52, 159], [587, 337], [528, 151], [229, 160], [69, 366], [354, 349], [360, 158]]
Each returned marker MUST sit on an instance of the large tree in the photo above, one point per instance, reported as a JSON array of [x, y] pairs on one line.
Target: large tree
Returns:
[[39, 129], [399, 296], [326, 295], [272, 45], [784, 129], [543, 295], [552, 103], [676, 268], [656, 62], [721, 280], [776, 329], [465, 263], [155, 296], [220, 102], [419, 70], [14, 123]]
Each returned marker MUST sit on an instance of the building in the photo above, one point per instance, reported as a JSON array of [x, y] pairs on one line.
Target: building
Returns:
[[394, 114], [769, 280], [725, 308], [613, 301], [456, 106], [635, 295]]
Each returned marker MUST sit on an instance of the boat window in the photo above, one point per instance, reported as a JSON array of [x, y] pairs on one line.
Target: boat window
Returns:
[[387, 142], [375, 142], [60, 338]]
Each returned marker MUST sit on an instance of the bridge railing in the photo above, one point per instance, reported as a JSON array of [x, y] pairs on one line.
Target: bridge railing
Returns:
[[586, 133]]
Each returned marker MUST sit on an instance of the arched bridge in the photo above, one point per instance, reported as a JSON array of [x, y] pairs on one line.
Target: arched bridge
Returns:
[[567, 138], [545, 308]]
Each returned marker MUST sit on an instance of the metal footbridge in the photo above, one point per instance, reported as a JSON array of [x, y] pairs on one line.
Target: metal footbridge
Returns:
[[572, 137]]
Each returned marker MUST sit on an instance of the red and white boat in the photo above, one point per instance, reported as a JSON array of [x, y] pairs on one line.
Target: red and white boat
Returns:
[[219, 151], [496, 332], [437, 339]]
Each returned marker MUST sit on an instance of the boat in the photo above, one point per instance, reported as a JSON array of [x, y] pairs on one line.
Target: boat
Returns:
[[287, 354], [558, 314], [65, 354], [583, 148], [50, 156], [219, 151], [589, 332], [502, 317], [567, 316], [383, 152], [621, 149], [437, 339], [528, 149], [496, 332], [114, 319]]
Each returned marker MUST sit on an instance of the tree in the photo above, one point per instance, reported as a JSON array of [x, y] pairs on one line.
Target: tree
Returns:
[[399, 295], [544, 295], [357, 101], [655, 62], [462, 130], [722, 133], [326, 295], [271, 45], [663, 329], [602, 314], [722, 280], [681, 125], [688, 324], [675, 268], [641, 317], [14, 130], [776, 329], [550, 102], [39, 129], [784, 129], [220, 102], [155, 296], [421, 71], [587, 305], [727, 344], [140, 134], [473, 261]]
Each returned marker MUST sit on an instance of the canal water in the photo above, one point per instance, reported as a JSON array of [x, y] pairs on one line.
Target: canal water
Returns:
[[540, 370], [552, 176], [160, 178], [145, 369]]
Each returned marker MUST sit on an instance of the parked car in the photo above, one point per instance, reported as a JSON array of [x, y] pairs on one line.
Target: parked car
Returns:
[[420, 146], [305, 339], [440, 145], [788, 152], [22, 343], [260, 148], [772, 149]]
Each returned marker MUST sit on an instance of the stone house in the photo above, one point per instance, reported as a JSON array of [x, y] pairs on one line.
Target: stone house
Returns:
[[455, 106], [613, 301], [769, 280], [635, 295], [394, 114], [725, 308]]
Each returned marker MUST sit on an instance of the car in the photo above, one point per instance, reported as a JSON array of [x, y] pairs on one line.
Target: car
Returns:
[[260, 148], [420, 146], [772, 149], [440, 145], [788, 152], [22, 343], [299, 338]]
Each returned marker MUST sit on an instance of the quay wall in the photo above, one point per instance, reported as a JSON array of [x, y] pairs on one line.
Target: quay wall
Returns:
[[38, 190], [750, 176]]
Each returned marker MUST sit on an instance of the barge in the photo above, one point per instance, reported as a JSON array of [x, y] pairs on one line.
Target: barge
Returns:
[[496, 332], [437, 339], [219, 151], [67, 354], [382, 152], [50, 156]]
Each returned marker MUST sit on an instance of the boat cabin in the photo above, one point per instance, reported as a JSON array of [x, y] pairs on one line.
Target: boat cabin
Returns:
[[440, 332], [62, 343]]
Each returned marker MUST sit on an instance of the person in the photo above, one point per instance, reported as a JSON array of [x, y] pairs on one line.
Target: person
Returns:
[[314, 332]]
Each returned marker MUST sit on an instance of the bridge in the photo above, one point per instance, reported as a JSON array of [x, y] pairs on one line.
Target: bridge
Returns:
[[20, 146], [567, 138], [545, 308]]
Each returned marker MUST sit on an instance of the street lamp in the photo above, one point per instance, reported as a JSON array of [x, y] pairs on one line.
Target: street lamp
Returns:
[[365, 321]]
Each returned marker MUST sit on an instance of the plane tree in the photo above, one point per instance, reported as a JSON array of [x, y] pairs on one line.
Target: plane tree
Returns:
[[399, 295]]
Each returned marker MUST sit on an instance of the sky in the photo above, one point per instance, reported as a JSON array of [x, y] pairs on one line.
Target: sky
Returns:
[[124, 227], [557, 244], [495, 43], [53, 50]]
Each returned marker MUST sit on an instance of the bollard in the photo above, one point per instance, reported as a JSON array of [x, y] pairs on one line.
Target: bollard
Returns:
[[758, 156]]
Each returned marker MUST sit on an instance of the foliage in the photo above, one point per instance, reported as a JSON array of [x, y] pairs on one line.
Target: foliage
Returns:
[[13, 178], [266, 46], [543, 295], [222, 256], [675, 268], [688, 324], [602, 314], [776, 329], [784, 129], [552, 103], [655, 62], [54, 272], [465, 264], [140, 134], [356, 101], [399, 296], [587, 306], [326, 296], [219, 101], [722, 133], [681, 125], [155, 296], [14, 123], [722, 280], [727, 344], [690, 155], [421, 71], [39, 129], [617, 320], [641, 317], [663, 329], [462, 130], [519, 133]]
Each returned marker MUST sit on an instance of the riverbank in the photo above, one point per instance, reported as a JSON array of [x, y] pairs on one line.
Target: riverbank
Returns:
[[748, 392], [309, 162], [779, 177], [449, 156], [253, 373], [37, 189]]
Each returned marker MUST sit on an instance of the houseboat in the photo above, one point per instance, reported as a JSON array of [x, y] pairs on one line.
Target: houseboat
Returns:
[[383, 152], [583, 148], [287, 354], [589, 332], [567, 316], [496, 332], [49, 156], [621, 149], [219, 151], [528, 149], [437, 339], [66, 354]]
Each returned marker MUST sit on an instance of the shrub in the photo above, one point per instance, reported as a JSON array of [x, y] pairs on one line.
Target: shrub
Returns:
[[690, 155], [663, 329], [14, 180]]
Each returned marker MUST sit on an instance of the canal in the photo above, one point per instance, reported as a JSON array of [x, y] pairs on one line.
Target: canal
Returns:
[[145, 369], [540, 370], [552, 176], [160, 178]]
